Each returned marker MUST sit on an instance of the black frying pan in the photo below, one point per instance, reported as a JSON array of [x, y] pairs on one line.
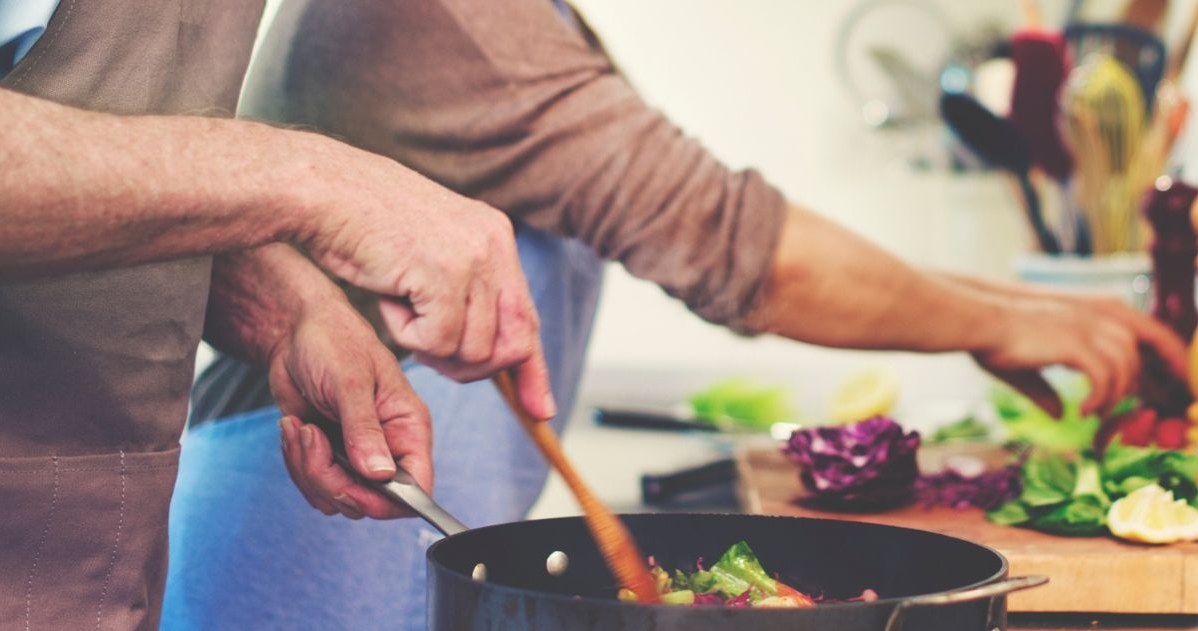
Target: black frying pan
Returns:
[[496, 578]]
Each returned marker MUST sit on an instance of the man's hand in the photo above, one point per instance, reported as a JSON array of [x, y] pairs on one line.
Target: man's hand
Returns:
[[1100, 337], [446, 267], [273, 306], [332, 365], [827, 286]]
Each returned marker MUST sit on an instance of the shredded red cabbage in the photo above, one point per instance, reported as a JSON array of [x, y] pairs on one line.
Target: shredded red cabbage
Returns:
[[986, 491], [867, 463]]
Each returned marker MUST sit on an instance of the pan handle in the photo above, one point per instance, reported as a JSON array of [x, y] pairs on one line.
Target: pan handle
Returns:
[[992, 590], [401, 488]]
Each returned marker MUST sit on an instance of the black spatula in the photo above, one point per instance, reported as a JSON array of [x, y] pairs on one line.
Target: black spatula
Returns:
[[999, 143]]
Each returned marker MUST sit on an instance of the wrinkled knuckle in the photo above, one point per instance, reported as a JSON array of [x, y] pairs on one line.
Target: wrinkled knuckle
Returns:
[[363, 433], [497, 225], [442, 341], [512, 355], [420, 410], [476, 354], [476, 256]]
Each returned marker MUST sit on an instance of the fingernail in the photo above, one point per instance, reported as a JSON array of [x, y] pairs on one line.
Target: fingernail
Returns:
[[348, 504], [550, 407], [378, 463], [283, 433], [306, 436]]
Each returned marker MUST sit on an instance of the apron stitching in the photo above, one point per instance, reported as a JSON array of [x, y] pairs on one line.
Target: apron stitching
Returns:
[[33, 62], [120, 521], [37, 553]]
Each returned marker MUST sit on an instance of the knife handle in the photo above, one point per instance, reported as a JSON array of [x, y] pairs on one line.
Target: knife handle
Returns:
[[665, 488], [637, 419]]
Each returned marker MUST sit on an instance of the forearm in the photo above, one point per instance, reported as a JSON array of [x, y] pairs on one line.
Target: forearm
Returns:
[[828, 286], [526, 115], [83, 190], [996, 286], [258, 296]]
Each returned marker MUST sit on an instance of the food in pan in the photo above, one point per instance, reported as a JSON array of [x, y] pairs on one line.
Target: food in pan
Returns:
[[737, 580]]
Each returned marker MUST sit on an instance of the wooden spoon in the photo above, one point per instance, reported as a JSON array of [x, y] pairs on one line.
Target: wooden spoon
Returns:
[[615, 543]]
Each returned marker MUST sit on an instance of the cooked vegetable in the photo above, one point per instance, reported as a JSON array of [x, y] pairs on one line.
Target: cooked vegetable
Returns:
[[736, 580], [871, 463]]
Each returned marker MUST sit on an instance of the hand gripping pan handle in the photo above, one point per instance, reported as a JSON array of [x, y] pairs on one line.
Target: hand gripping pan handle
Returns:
[[401, 488]]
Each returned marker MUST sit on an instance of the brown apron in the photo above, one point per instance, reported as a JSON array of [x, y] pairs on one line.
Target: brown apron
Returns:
[[95, 368]]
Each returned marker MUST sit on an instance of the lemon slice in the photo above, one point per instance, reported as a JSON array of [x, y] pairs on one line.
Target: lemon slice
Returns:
[[865, 395], [1151, 515]]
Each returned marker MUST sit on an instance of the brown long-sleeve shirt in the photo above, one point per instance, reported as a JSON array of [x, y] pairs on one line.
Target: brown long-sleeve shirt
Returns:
[[506, 102]]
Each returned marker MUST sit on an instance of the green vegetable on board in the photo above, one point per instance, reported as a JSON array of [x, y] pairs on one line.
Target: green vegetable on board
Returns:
[[1071, 495], [741, 401]]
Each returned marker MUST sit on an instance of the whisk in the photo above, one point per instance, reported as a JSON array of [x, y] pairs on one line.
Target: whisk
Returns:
[[1104, 116]]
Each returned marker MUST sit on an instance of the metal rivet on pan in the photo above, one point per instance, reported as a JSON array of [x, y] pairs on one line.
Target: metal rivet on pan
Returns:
[[480, 573], [557, 563]]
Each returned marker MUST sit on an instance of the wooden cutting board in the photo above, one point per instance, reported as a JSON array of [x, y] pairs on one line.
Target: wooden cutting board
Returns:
[[1093, 574]]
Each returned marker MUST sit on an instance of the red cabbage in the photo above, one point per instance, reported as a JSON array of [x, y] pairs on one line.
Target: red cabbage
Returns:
[[986, 491], [867, 464]]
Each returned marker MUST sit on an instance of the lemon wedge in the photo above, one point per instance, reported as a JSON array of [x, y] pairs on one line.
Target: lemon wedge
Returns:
[[865, 395], [1151, 515]]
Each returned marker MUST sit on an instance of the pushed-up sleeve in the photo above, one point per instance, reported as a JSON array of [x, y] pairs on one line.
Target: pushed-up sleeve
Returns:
[[510, 103]]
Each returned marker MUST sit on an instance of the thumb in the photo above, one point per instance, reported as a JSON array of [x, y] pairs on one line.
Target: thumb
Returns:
[[365, 442]]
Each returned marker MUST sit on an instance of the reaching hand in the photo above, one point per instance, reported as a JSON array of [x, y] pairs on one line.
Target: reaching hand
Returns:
[[1101, 337], [447, 267], [331, 364]]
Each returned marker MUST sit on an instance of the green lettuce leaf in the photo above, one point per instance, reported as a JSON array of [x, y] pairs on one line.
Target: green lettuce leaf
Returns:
[[1081, 517], [741, 401], [739, 570]]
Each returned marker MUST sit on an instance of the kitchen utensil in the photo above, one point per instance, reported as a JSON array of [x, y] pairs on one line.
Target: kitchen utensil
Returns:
[[644, 419], [1170, 110], [666, 421], [662, 489], [926, 581], [1104, 113], [1145, 15], [497, 577], [996, 141], [1041, 64], [1173, 248], [619, 549], [1143, 53], [401, 488]]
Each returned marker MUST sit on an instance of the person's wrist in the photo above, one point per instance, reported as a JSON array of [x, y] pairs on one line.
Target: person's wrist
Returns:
[[300, 197], [303, 293]]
